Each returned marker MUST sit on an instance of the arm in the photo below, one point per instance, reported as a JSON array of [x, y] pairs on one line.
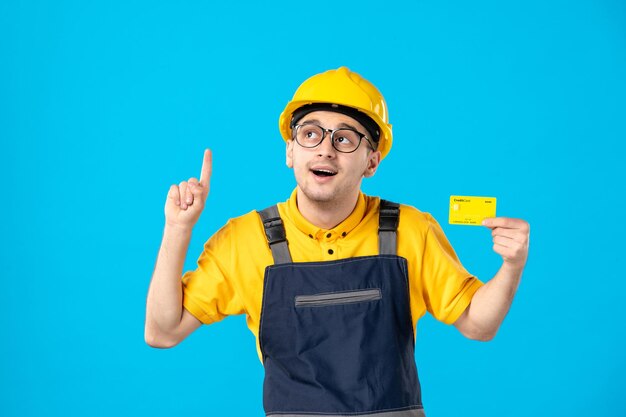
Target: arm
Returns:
[[491, 303], [167, 322]]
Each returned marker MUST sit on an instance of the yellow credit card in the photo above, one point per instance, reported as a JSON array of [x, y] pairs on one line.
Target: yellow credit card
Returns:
[[471, 211]]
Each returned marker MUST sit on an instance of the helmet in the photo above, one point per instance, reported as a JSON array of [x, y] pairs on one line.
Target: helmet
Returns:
[[346, 88]]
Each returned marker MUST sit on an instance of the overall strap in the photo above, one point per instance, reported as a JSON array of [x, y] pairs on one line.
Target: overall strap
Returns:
[[276, 236], [387, 227]]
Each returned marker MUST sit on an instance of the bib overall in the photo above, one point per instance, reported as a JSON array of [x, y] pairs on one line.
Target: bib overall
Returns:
[[337, 337]]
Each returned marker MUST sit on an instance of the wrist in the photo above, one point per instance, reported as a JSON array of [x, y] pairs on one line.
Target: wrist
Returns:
[[177, 229], [512, 268]]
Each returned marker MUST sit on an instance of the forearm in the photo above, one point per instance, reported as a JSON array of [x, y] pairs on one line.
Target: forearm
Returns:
[[164, 304], [491, 303]]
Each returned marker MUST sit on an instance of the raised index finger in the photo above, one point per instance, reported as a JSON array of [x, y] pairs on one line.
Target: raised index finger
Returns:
[[207, 167]]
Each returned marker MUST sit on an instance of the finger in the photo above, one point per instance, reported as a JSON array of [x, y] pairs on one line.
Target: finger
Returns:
[[174, 195], [194, 185], [514, 254], [504, 241], [183, 193], [515, 234], [207, 168], [506, 222], [189, 193], [503, 251]]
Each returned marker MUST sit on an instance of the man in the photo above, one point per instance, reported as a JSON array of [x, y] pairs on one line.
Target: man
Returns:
[[332, 281]]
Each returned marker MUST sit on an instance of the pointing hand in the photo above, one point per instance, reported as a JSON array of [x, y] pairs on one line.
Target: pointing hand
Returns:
[[185, 201]]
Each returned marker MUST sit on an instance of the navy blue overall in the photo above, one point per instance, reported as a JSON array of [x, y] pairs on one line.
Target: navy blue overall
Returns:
[[337, 337]]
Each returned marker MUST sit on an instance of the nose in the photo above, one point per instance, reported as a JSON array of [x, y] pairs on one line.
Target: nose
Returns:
[[326, 148]]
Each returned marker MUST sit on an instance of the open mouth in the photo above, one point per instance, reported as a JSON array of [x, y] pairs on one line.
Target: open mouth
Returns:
[[324, 172]]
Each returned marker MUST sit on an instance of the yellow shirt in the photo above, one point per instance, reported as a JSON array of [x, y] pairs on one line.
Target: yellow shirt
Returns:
[[229, 276]]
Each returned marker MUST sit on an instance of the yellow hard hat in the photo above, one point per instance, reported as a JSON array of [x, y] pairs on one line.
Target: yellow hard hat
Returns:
[[344, 88]]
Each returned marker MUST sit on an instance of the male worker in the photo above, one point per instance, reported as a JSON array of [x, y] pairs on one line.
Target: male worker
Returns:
[[332, 281]]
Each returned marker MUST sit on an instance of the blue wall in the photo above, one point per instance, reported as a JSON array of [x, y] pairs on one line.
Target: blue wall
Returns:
[[103, 106]]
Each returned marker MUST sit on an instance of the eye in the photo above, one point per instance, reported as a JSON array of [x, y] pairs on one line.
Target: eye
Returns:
[[346, 138], [309, 132]]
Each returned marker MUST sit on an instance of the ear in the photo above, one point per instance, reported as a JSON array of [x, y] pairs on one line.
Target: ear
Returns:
[[373, 161], [289, 153]]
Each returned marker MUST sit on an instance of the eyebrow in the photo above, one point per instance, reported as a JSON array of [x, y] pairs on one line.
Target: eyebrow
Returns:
[[341, 125]]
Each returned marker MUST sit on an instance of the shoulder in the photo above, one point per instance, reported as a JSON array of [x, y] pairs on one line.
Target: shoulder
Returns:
[[245, 224], [415, 216], [412, 219], [237, 231], [414, 222], [410, 216]]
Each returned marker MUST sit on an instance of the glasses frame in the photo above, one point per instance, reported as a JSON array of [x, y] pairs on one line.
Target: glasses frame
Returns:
[[332, 137]]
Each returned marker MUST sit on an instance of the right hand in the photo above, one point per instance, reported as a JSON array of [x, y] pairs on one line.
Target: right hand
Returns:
[[185, 201]]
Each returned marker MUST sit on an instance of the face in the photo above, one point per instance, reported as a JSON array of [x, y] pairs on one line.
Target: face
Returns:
[[325, 175]]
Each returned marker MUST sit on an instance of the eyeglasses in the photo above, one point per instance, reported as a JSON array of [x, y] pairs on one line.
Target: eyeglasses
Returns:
[[309, 135]]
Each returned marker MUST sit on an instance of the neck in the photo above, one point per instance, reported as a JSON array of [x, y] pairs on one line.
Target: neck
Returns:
[[325, 214]]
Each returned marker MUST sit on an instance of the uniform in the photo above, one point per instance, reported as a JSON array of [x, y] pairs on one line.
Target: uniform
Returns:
[[346, 286]]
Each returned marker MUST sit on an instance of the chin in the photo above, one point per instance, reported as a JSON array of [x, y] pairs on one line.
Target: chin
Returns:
[[317, 195]]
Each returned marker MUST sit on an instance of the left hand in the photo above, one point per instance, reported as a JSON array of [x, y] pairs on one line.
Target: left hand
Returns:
[[510, 239]]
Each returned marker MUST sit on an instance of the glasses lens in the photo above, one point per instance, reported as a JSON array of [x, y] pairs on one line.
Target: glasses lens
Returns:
[[346, 140], [309, 136]]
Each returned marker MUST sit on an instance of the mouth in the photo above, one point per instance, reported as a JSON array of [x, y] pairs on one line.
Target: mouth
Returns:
[[323, 172]]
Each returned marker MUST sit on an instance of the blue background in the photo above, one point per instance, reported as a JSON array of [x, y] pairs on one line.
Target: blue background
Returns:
[[103, 106]]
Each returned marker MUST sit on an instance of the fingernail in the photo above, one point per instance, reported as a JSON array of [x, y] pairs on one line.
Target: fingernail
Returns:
[[485, 222], [189, 201], [178, 202]]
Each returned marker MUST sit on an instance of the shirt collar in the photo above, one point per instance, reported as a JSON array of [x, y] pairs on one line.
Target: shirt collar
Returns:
[[341, 230]]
